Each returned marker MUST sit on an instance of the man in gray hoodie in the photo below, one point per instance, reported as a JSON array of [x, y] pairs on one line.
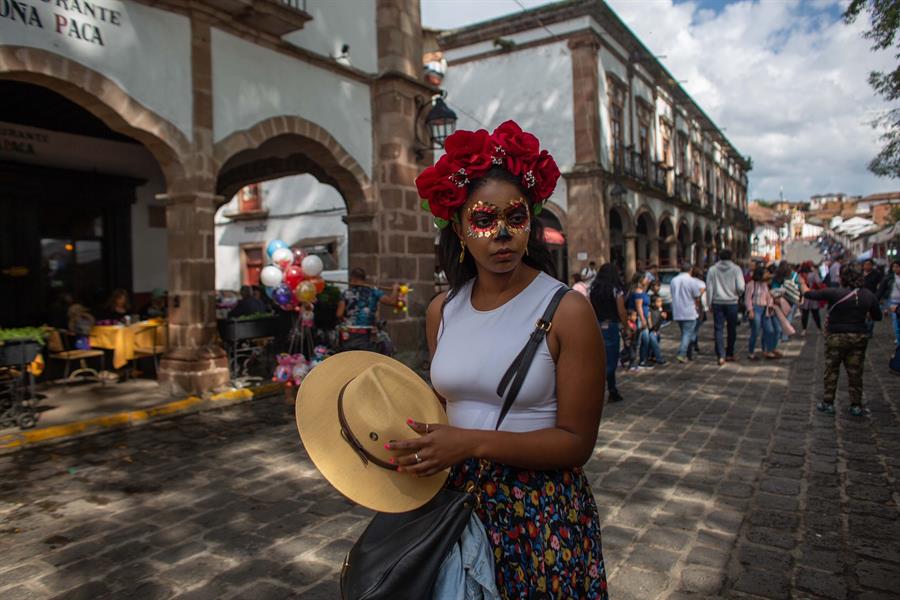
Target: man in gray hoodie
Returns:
[[724, 286]]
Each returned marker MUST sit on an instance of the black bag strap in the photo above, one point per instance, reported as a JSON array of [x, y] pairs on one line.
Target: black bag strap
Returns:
[[515, 374]]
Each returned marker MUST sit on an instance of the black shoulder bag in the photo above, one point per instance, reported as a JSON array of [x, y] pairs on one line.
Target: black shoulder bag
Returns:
[[398, 556]]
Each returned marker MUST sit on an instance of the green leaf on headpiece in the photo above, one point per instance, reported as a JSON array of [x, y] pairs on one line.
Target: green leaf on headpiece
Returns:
[[456, 218], [425, 205], [538, 209], [440, 223]]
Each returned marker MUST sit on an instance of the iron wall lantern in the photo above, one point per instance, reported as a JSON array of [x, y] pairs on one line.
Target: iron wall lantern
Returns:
[[440, 123]]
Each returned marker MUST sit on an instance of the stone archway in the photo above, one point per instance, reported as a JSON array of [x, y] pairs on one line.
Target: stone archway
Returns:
[[668, 244], [290, 145], [647, 238], [683, 237], [317, 152], [193, 362], [621, 240], [103, 98], [698, 251]]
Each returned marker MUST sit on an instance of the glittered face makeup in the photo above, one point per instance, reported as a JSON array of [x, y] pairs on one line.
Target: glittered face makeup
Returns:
[[485, 220]]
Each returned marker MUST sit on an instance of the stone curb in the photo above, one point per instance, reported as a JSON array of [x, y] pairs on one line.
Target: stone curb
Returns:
[[12, 442]]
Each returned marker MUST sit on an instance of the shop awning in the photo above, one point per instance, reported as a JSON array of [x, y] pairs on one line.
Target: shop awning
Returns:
[[554, 236]]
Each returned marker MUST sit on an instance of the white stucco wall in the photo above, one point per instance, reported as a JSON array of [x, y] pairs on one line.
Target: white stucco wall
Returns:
[[149, 253], [144, 50], [336, 23], [251, 84], [300, 208], [485, 93]]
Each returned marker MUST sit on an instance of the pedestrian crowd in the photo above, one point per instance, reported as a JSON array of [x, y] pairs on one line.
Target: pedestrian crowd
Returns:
[[841, 298]]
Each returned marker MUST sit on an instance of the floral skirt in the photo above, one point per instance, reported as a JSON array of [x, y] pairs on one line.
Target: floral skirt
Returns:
[[543, 528]]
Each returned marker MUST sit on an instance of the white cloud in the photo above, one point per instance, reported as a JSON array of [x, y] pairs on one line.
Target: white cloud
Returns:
[[786, 79]]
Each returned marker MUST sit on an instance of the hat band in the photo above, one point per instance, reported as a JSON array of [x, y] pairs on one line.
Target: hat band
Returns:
[[364, 455]]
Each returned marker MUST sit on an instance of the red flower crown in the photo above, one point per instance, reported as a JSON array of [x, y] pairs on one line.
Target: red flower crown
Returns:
[[470, 154]]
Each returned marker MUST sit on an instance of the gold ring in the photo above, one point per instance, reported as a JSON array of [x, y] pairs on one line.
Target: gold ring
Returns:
[[426, 428], [418, 460]]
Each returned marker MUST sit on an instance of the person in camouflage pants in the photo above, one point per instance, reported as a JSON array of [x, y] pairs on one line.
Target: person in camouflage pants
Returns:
[[848, 349]]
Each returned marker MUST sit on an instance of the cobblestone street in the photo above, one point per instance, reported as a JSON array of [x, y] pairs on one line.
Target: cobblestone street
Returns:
[[712, 482]]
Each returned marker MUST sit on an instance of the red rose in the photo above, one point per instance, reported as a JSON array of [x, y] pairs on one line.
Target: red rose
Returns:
[[516, 142], [438, 185], [470, 150], [546, 174]]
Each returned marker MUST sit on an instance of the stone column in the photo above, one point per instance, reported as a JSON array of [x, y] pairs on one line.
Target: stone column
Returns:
[[673, 253], [654, 249], [194, 363], [588, 235], [400, 235], [630, 255]]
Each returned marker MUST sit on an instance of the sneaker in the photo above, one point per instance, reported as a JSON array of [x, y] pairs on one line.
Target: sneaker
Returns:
[[681, 359], [646, 365], [721, 361], [615, 396], [857, 410], [730, 359], [661, 363], [825, 407]]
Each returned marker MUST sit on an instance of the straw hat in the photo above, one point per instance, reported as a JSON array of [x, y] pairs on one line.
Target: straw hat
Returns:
[[377, 394]]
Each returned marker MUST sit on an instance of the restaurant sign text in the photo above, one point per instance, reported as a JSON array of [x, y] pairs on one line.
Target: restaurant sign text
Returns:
[[83, 20]]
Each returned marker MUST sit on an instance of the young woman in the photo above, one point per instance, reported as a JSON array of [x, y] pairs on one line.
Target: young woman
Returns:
[[535, 501], [639, 301], [608, 299], [810, 278], [760, 305], [846, 336], [116, 308]]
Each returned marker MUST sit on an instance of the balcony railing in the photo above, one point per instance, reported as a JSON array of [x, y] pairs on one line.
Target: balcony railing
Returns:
[[276, 17], [708, 196], [638, 166], [659, 176], [681, 192], [695, 195]]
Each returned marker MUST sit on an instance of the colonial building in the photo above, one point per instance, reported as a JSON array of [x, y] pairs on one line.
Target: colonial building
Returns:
[[648, 177], [128, 124]]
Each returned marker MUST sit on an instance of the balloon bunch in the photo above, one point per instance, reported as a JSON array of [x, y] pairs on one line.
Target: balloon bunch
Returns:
[[402, 305], [291, 369], [293, 279]]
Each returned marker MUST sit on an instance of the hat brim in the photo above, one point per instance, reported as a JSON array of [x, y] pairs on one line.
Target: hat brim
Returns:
[[369, 485]]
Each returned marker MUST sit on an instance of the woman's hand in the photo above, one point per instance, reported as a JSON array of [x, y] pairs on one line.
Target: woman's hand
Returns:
[[439, 447]]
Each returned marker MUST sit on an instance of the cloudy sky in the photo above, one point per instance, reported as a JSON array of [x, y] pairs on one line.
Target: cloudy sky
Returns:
[[785, 79]]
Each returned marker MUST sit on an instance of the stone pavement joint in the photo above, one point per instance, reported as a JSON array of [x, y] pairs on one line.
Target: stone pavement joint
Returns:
[[712, 482]]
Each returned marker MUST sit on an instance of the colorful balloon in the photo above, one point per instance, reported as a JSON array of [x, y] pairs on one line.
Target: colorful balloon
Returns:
[[306, 291], [312, 265], [271, 276], [269, 291], [299, 255], [319, 283], [293, 275], [273, 246], [282, 295], [283, 258]]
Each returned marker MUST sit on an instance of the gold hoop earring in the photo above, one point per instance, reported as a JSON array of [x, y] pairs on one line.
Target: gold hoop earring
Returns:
[[526, 250], [462, 254]]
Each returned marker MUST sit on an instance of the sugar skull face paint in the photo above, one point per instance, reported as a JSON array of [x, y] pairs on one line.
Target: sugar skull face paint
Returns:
[[487, 221]]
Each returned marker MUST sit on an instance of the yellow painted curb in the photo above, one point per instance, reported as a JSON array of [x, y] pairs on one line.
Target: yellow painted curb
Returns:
[[12, 441]]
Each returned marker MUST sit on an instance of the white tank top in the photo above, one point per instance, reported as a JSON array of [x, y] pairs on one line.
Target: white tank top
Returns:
[[474, 350]]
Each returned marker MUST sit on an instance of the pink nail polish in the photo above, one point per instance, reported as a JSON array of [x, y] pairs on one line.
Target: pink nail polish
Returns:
[[391, 461], [387, 446], [409, 421]]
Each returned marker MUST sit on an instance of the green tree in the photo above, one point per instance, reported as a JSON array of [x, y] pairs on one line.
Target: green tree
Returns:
[[885, 15]]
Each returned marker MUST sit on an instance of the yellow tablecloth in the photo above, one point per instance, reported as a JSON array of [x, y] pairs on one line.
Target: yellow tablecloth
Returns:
[[124, 339]]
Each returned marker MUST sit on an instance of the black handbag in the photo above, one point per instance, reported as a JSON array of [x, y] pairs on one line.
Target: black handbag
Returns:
[[399, 555]]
